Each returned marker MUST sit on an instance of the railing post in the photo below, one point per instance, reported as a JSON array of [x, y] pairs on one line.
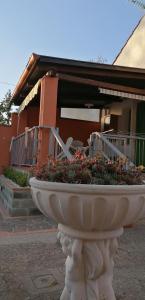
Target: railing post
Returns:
[[93, 145], [56, 145], [35, 145], [53, 145]]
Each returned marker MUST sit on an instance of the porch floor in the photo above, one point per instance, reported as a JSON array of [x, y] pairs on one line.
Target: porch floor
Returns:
[[32, 263]]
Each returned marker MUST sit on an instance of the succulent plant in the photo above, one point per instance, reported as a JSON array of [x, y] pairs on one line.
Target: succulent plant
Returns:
[[89, 171]]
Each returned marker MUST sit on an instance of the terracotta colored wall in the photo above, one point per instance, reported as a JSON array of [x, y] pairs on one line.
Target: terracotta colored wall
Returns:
[[28, 118], [22, 122], [79, 130], [6, 133], [33, 116]]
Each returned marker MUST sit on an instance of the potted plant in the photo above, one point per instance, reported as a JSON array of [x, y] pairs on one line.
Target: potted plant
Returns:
[[91, 200]]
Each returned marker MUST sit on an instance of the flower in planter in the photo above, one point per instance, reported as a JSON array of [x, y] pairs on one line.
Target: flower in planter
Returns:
[[89, 171]]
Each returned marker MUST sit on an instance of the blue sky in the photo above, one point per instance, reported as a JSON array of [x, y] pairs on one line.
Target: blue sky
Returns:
[[80, 29]]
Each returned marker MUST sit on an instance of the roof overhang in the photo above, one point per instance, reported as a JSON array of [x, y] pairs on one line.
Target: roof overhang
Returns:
[[94, 76]]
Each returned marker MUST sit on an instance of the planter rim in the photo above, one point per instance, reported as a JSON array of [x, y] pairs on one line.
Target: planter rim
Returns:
[[87, 188]]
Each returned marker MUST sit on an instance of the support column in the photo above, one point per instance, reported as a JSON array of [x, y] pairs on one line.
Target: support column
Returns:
[[47, 115]]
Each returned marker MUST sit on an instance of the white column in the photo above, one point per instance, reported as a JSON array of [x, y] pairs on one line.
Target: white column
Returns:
[[133, 117], [133, 128]]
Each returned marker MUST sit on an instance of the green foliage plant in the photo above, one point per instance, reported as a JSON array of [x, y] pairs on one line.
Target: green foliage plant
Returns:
[[18, 177], [5, 109]]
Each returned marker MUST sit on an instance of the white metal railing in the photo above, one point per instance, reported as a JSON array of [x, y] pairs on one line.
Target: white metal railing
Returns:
[[24, 147], [99, 143], [114, 146], [57, 148], [132, 146]]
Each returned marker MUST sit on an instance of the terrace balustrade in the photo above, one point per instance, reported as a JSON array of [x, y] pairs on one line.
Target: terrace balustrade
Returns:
[[24, 147]]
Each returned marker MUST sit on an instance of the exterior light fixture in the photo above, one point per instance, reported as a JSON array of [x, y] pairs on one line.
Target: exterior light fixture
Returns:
[[89, 105], [107, 119]]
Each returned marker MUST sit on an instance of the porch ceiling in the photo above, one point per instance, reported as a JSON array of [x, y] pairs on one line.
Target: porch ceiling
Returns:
[[79, 94]]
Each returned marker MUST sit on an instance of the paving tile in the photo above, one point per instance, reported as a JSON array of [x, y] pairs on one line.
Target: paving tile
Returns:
[[32, 262]]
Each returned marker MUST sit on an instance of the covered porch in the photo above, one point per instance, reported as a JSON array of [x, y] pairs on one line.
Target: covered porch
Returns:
[[51, 91]]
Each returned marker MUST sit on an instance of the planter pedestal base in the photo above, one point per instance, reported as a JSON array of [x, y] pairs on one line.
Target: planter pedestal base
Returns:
[[89, 263]]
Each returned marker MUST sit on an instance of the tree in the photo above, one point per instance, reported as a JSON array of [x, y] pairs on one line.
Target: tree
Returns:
[[5, 108], [139, 3]]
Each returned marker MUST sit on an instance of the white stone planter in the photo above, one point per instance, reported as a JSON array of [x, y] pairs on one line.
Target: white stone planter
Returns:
[[90, 218]]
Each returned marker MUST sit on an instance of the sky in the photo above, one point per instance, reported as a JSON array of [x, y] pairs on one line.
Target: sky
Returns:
[[77, 29]]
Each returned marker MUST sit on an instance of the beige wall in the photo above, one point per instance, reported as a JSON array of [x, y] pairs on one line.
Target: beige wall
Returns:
[[133, 54]]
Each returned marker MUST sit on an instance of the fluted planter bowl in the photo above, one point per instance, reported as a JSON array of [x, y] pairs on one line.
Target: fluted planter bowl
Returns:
[[91, 218], [89, 207]]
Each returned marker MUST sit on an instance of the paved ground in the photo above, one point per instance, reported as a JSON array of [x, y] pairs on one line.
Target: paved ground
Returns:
[[32, 263], [26, 224]]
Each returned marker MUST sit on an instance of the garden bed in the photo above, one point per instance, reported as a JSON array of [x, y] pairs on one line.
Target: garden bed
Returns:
[[16, 200]]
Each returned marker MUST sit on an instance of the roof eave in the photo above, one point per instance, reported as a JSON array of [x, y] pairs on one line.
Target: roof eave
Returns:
[[26, 73]]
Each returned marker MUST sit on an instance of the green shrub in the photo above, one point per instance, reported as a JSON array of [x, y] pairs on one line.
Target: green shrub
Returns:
[[17, 176]]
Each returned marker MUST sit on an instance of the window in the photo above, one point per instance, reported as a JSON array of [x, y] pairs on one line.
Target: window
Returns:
[[84, 114]]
